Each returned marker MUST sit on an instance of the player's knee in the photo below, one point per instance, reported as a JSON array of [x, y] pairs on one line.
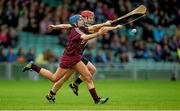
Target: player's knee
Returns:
[[54, 79], [93, 70]]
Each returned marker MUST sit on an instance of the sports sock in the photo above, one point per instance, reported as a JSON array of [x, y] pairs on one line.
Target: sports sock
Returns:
[[36, 68], [52, 93], [77, 82], [94, 94]]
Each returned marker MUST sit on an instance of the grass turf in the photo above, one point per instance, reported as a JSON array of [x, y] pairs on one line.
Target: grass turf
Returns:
[[123, 95]]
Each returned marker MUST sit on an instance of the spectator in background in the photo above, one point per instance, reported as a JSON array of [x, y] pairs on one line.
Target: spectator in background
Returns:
[[65, 13], [30, 15], [43, 9], [158, 53], [11, 56], [166, 56], [4, 35], [108, 56], [2, 55], [106, 41], [147, 34], [174, 44], [122, 52], [41, 58], [105, 10], [51, 57], [165, 41], [10, 13], [115, 44], [123, 57], [122, 9], [111, 14], [23, 18], [33, 17], [98, 11], [44, 24], [158, 33], [21, 56], [99, 57], [30, 56], [177, 32], [141, 52], [58, 15], [13, 37]]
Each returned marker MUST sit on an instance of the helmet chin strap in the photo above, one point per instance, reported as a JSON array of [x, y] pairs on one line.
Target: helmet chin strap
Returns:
[[77, 23]]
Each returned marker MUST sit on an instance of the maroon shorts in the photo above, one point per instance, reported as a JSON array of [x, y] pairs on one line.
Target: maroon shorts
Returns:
[[69, 61]]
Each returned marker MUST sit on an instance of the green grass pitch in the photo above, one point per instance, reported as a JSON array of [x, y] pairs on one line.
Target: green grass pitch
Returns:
[[146, 95]]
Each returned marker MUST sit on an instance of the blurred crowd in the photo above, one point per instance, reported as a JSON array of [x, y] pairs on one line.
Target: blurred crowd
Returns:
[[157, 36], [21, 56]]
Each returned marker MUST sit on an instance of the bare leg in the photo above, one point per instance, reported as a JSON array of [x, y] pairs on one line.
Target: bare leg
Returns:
[[60, 82], [91, 68], [53, 77], [84, 72], [80, 79], [66, 76], [81, 68], [51, 95], [46, 73]]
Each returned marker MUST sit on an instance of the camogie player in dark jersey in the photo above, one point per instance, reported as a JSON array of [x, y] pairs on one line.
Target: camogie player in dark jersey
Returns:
[[72, 57], [89, 20]]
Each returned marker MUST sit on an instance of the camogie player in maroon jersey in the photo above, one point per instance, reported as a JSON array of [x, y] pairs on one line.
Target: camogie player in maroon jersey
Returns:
[[89, 20], [72, 57]]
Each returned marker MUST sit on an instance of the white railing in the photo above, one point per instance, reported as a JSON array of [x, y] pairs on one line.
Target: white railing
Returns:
[[132, 71]]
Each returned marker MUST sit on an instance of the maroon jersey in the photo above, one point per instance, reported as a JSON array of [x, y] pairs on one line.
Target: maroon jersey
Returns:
[[74, 48], [75, 44]]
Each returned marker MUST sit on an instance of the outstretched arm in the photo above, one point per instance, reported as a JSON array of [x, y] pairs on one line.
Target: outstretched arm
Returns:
[[96, 27], [91, 29], [60, 26], [101, 31], [109, 28]]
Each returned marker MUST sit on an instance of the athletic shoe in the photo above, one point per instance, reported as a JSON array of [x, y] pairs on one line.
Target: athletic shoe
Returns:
[[28, 67], [50, 98], [102, 100], [74, 88]]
